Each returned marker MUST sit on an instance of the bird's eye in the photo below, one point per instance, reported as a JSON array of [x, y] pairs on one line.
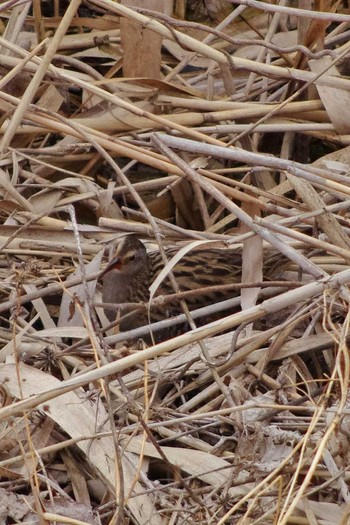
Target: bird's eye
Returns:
[[132, 257]]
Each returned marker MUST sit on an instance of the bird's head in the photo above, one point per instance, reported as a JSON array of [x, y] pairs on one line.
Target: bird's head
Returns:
[[129, 258]]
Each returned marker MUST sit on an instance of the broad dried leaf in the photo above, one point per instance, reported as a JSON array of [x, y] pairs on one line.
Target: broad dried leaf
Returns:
[[208, 468], [81, 417], [336, 101], [72, 305]]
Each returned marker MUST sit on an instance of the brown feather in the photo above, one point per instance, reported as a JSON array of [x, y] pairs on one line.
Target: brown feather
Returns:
[[137, 269]]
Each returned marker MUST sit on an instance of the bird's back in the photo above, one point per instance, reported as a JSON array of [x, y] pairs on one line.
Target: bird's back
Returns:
[[200, 270], [207, 268]]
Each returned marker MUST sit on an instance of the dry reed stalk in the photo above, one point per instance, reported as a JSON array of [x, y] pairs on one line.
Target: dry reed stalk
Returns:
[[81, 165]]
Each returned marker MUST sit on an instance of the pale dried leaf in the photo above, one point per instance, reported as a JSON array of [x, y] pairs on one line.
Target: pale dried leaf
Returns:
[[72, 304], [336, 101], [81, 417], [210, 469]]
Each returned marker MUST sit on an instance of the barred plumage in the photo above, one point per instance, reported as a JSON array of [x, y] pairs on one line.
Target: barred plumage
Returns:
[[132, 270]]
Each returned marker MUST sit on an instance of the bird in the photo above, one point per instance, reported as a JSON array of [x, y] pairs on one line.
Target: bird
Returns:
[[131, 270]]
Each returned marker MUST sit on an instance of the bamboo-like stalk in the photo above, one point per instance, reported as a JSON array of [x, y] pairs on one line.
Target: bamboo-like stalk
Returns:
[[228, 147]]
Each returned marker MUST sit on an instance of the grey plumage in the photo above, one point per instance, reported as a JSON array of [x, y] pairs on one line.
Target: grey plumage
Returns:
[[132, 270]]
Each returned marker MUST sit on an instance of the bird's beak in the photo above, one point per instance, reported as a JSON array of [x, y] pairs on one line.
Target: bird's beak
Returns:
[[115, 264]]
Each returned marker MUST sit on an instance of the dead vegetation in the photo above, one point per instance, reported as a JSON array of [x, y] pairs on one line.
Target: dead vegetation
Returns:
[[220, 125]]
